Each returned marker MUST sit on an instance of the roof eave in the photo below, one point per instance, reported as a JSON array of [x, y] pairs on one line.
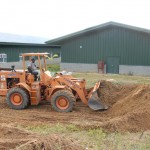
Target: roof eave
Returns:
[[28, 44], [60, 39]]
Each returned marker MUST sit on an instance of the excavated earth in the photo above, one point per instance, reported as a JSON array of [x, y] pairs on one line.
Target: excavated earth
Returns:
[[129, 111]]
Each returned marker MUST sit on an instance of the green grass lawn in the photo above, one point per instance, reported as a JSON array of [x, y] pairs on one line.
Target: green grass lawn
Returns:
[[96, 139], [92, 78]]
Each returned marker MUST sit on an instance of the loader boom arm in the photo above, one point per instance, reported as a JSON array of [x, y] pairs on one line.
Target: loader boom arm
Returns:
[[75, 84], [91, 99]]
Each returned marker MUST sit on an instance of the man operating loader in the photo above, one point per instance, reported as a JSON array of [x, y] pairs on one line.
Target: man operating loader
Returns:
[[32, 68]]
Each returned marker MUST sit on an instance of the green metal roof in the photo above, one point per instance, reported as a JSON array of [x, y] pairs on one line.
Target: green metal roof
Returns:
[[28, 44], [102, 26]]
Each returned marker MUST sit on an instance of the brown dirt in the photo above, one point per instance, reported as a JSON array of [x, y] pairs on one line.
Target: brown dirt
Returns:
[[129, 110], [15, 138], [129, 106]]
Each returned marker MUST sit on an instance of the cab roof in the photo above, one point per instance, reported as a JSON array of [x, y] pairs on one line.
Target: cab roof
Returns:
[[34, 54]]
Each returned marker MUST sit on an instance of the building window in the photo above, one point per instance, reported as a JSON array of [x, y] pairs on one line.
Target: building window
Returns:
[[3, 57]]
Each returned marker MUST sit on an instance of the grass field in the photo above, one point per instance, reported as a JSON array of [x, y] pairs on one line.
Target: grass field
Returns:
[[96, 139], [91, 78]]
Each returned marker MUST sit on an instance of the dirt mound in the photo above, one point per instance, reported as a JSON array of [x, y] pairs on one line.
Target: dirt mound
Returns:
[[129, 106], [10, 137], [15, 138], [110, 93], [51, 143]]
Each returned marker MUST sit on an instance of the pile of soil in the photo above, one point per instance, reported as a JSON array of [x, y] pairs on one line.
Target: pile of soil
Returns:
[[129, 106], [51, 143], [15, 138], [10, 137]]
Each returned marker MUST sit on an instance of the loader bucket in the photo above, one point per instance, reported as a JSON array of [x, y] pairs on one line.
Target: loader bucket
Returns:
[[94, 101]]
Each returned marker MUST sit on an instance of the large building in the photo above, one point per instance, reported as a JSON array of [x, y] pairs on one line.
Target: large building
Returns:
[[10, 53], [124, 49]]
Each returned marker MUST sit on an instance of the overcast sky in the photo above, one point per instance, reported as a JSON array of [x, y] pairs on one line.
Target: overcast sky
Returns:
[[54, 18]]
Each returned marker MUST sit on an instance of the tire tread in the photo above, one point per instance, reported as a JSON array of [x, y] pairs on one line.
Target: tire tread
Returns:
[[68, 95], [25, 97]]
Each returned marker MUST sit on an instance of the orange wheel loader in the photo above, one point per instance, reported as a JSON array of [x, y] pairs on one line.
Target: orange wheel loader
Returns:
[[22, 88]]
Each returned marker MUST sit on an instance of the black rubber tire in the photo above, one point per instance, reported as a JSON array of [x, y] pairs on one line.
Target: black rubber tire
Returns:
[[68, 95], [24, 95], [28, 96]]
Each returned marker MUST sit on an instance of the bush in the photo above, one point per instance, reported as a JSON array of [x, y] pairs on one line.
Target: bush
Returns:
[[53, 67]]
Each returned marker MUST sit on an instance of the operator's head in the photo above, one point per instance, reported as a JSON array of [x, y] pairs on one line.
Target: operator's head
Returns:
[[33, 59]]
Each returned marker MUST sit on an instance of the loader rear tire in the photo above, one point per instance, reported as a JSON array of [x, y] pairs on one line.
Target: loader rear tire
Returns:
[[63, 101], [17, 98]]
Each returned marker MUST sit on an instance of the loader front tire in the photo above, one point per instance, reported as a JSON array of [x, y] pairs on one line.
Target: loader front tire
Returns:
[[17, 98], [63, 101]]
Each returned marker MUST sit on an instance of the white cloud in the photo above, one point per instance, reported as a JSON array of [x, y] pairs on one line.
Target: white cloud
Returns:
[[53, 18]]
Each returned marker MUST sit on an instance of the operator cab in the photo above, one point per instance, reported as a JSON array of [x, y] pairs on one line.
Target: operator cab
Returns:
[[36, 66]]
